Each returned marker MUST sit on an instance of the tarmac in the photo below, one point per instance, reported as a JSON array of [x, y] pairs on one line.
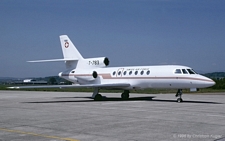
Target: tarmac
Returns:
[[74, 116]]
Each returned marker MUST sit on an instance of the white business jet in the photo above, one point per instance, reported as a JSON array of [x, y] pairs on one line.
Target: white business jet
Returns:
[[95, 73]]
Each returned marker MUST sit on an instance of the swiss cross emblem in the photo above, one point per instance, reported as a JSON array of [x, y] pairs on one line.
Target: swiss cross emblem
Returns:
[[66, 44]]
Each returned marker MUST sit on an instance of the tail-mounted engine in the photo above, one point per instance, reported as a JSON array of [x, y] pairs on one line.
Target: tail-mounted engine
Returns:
[[99, 62], [94, 74], [82, 75]]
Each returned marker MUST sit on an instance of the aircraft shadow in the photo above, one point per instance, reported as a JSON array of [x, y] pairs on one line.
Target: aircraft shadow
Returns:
[[186, 101], [90, 99], [106, 99]]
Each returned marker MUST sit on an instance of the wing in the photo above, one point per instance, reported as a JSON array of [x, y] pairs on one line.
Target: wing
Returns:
[[106, 86]]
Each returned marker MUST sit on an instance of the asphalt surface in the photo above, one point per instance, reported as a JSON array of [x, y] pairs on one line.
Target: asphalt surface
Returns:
[[60, 116]]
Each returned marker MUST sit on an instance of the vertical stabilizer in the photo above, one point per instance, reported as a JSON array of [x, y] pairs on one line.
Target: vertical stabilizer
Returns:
[[70, 52], [68, 48]]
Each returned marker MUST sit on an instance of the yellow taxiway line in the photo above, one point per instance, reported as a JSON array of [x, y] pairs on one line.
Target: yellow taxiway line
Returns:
[[39, 135]]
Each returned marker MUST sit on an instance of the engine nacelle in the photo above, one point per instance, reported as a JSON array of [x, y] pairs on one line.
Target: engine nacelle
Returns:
[[97, 62], [82, 75], [94, 74]]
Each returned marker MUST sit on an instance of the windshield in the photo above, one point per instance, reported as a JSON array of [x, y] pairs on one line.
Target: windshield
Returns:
[[191, 71]]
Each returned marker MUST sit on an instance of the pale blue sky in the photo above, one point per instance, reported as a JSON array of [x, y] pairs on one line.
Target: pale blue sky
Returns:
[[134, 32]]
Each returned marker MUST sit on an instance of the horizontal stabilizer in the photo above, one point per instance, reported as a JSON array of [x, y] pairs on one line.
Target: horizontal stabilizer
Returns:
[[113, 85], [55, 60]]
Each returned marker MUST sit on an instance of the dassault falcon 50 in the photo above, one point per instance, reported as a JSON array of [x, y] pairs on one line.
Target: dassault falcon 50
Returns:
[[95, 73]]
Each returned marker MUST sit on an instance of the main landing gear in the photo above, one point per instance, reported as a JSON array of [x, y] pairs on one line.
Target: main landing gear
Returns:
[[98, 97], [179, 95], [125, 95]]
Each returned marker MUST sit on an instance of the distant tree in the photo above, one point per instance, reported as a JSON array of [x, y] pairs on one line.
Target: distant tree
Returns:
[[68, 82], [220, 84], [52, 81]]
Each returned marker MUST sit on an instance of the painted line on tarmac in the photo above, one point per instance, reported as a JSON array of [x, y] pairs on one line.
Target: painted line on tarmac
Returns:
[[39, 135]]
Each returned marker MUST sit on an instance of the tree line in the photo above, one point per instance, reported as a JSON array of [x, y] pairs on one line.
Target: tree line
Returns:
[[220, 84]]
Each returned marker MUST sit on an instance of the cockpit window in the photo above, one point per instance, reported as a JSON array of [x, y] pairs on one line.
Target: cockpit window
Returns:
[[178, 71], [72, 71], [194, 71], [184, 71], [191, 71]]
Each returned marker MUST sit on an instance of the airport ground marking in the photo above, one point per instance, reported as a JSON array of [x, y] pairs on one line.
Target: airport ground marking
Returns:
[[39, 135]]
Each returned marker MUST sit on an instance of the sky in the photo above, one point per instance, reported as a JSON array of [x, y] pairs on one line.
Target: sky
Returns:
[[128, 32]]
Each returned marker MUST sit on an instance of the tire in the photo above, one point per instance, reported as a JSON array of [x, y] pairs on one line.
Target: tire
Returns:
[[125, 96], [98, 97], [179, 100]]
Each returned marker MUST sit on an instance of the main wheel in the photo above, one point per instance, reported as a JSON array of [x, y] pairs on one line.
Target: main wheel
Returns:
[[179, 100], [98, 97], [125, 96]]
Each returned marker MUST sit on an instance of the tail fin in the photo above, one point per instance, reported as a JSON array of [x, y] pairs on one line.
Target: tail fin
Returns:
[[73, 58], [68, 48]]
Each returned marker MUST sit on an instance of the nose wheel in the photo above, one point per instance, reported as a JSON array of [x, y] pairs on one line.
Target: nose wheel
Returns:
[[179, 95]]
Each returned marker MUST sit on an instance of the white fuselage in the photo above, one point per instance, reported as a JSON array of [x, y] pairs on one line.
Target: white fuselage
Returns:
[[141, 77]]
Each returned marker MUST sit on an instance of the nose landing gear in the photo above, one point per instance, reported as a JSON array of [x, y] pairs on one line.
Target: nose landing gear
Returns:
[[179, 95]]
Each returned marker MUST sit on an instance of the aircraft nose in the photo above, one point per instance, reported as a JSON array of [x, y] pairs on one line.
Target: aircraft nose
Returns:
[[210, 82], [205, 82]]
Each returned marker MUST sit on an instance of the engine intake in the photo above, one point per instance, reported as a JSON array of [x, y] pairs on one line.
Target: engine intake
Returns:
[[95, 74], [106, 61]]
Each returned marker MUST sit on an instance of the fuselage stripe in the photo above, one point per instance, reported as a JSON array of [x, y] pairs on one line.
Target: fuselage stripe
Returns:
[[108, 76]]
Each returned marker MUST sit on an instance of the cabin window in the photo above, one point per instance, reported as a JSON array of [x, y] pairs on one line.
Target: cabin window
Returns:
[[142, 72], [178, 71], [119, 73], [136, 72], [72, 71], [184, 71], [114, 73], [125, 72], [148, 72], [130, 72]]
